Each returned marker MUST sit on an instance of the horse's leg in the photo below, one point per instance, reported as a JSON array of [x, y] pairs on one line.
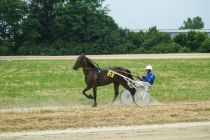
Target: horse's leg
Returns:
[[116, 91], [131, 90], [84, 92], [94, 95]]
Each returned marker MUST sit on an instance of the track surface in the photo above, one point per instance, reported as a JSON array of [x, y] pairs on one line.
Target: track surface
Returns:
[[121, 56], [131, 123], [185, 131]]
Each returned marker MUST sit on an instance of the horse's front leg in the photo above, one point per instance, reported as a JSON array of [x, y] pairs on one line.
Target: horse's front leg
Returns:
[[84, 92], [94, 96]]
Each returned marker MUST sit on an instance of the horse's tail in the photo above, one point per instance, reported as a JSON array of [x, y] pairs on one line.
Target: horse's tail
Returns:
[[129, 74]]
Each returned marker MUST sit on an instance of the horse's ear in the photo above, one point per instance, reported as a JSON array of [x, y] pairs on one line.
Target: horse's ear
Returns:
[[82, 55]]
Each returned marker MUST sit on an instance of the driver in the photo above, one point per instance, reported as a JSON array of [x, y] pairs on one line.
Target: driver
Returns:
[[149, 78]]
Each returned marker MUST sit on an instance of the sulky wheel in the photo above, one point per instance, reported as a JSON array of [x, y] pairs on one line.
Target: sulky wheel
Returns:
[[142, 97], [126, 97]]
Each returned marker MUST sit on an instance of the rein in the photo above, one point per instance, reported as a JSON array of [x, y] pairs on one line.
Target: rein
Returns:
[[98, 67], [93, 62]]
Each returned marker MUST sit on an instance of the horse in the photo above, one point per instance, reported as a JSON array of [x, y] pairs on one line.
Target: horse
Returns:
[[95, 76]]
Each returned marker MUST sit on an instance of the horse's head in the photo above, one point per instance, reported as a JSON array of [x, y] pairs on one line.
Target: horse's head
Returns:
[[79, 62]]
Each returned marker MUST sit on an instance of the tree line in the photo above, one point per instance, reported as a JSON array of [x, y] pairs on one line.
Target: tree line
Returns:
[[70, 27]]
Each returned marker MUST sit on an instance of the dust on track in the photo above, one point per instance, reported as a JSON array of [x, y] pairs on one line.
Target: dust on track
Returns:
[[103, 116], [103, 122]]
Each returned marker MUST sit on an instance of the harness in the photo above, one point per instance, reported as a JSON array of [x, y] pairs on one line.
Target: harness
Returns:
[[100, 70]]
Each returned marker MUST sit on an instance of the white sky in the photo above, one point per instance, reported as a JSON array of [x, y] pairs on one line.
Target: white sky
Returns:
[[165, 14]]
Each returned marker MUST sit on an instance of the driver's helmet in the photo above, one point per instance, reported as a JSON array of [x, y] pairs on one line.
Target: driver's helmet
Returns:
[[148, 67]]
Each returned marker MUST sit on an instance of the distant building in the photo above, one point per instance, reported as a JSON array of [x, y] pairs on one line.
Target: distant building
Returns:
[[174, 32]]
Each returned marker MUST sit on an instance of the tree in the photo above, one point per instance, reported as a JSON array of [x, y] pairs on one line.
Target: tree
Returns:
[[205, 46], [42, 14], [4, 50], [154, 37], [191, 40], [195, 23], [30, 27], [87, 24], [167, 48], [194, 40], [82, 21], [12, 13], [180, 39]]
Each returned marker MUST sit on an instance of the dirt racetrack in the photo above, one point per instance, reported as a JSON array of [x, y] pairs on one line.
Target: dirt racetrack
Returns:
[[105, 122], [178, 131]]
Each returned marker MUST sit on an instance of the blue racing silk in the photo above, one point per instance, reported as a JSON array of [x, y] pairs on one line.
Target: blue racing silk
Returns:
[[150, 77]]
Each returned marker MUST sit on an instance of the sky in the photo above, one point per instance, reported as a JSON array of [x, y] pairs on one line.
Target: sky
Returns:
[[164, 14]]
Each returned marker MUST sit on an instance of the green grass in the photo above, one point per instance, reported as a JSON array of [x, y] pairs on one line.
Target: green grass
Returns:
[[54, 83]]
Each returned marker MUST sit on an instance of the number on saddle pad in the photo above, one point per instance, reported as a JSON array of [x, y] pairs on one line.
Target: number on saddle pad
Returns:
[[110, 73]]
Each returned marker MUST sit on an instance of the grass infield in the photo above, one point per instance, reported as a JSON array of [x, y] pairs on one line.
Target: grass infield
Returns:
[[54, 83]]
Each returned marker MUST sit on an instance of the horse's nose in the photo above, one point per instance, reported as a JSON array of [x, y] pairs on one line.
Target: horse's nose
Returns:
[[75, 68]]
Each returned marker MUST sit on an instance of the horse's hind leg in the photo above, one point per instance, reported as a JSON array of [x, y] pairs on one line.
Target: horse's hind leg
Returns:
[[116, 91], [84, 92], [131, 90]]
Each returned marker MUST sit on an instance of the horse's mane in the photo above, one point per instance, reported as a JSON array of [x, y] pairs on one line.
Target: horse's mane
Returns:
[[90, 62]]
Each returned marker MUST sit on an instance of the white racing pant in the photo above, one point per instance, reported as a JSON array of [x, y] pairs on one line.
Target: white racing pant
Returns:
[[145, 84]]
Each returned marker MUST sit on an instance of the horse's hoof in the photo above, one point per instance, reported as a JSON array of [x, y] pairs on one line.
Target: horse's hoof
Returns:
[[94, 105], [111, 105], [90, 97]]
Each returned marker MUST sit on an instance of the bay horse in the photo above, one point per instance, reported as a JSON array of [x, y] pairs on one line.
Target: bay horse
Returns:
[[95, 76]]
